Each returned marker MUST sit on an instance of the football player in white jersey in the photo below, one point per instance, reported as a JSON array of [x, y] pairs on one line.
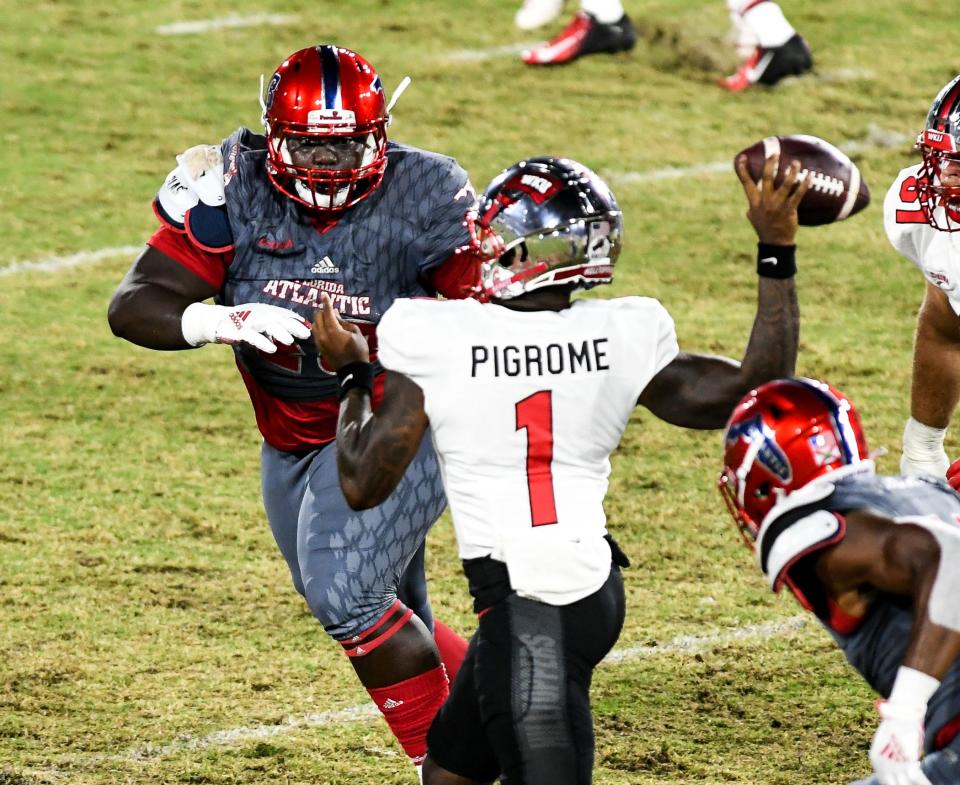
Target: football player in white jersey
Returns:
[[527, 395], [921, 214]]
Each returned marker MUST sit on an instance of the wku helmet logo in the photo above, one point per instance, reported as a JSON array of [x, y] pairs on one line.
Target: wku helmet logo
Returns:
[[761, 439]]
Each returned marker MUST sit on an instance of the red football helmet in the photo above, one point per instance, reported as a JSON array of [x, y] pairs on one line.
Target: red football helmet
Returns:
[[328, 93], [781, 436], [939, 142]]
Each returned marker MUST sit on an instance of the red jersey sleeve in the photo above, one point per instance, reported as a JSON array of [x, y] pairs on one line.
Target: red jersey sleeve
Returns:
[[457, 277], [210, 266]]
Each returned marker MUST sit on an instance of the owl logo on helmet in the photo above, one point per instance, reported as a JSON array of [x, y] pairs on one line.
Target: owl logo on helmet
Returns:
[[939, 143], [326, 95], [555, 214], [782, 436]]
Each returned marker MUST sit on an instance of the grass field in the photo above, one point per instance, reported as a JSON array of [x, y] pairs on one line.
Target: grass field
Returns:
[[150, 634]]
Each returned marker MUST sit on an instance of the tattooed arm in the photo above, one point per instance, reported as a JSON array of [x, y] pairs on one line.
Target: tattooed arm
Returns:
[[700, 391], [374, 449]]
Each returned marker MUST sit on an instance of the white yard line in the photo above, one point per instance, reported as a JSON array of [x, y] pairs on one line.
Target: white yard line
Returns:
[[232, 20], [682, 644], [55, 263], [476, 55]]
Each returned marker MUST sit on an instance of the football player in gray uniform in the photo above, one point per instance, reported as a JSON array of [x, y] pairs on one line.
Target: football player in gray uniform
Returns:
[[874, 558], [526, 396], [263, 223]]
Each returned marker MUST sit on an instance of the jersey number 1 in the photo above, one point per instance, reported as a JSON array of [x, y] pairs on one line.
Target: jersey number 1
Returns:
[[535, 413]]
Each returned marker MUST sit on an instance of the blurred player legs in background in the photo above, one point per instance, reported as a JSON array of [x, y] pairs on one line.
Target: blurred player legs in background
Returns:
[[600, 26], [768, 45]]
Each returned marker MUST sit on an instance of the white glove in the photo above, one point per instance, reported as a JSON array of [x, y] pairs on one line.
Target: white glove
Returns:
[[923, 451], [254, 324], [898, 744]]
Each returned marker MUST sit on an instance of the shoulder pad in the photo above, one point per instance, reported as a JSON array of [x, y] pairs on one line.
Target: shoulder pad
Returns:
[[209, 228], [794, 535]]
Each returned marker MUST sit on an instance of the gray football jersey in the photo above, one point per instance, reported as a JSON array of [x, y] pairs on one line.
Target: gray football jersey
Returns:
[[877, 645], [376, 252]]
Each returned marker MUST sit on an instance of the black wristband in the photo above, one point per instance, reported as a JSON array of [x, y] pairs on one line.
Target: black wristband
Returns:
[[357, 374], [776, 261]]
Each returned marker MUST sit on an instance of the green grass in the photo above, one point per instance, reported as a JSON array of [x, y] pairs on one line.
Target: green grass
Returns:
[[145, 607]]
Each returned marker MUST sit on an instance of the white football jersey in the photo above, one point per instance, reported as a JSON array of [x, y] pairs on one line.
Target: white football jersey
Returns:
[[936, 253], [525, 409]]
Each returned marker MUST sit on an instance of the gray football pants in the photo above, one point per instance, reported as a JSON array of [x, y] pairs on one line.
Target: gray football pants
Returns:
[[941, 767], [347, 564]]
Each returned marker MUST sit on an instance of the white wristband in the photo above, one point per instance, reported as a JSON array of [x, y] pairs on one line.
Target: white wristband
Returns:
[[923, 449], [199, 323], [913, 689]]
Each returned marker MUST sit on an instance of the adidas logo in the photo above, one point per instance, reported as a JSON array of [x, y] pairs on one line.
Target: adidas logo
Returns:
[[390, 703], [325, 266]]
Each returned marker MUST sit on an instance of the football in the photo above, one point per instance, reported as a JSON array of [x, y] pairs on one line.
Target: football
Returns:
[[837, 189]]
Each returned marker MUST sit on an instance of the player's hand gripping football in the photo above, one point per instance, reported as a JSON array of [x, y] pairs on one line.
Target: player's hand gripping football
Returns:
[[773, 210], [897, 745], [258, 325], [339, 342]]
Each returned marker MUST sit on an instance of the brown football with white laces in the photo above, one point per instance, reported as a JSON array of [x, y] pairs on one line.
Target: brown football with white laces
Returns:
[[837, 189]]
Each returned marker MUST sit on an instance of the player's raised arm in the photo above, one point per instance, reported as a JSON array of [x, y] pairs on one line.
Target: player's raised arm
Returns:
[[373, 449], [700, 391]]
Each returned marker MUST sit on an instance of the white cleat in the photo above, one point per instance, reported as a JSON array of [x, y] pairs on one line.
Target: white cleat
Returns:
[[537, 13]]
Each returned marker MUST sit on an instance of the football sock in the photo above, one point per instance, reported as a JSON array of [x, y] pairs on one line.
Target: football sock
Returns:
[[410, 706], [768, 24], [452, 647], [606, 12]]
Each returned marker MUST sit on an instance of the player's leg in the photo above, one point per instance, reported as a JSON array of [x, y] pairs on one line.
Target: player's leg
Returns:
[[412, 590], [284, 481], [351, 564], [601, 26], [532, 663], [768, 45], [591, 628], [458, 752]]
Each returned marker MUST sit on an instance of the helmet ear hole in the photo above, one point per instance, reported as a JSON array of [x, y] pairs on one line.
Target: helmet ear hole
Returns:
[[507, 259]]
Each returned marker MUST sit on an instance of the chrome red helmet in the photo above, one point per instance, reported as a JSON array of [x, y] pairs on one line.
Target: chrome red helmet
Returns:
[[781, 436], [326, 92], [939, 142]]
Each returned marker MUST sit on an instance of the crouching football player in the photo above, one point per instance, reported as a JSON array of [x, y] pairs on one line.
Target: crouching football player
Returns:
[[875, 558]]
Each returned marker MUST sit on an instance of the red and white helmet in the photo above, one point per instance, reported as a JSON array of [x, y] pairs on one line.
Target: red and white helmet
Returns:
[[938, 141], [326, 91], [780, 437]]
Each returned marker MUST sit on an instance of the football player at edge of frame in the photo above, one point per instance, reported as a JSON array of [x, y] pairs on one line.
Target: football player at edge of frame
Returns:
[[263, 223], [921, 214], [554, 382], [874, 558]]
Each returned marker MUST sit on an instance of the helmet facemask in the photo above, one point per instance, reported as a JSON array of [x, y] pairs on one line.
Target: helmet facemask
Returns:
[[939, 143], [326, 96], [327, 188]]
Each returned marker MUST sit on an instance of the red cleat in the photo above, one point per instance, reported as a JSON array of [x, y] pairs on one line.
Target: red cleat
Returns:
[[583, 36]]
